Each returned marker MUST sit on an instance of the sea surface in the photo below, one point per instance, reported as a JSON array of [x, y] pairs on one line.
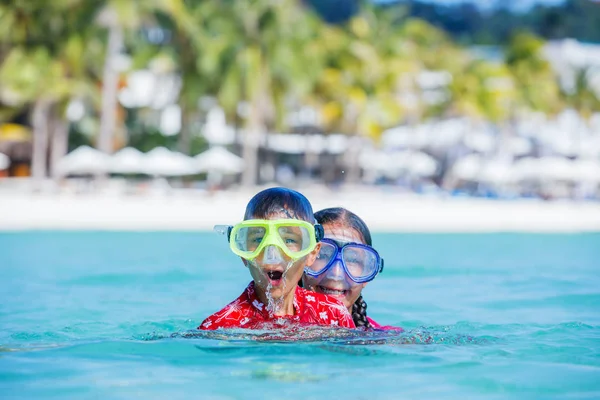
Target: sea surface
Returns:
[[112, 315]]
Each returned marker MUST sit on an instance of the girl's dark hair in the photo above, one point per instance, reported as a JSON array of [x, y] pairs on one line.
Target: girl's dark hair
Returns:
[[278, 199], [341, 216]]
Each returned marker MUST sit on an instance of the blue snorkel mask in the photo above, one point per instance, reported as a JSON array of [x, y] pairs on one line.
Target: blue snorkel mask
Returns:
[[360, 262]]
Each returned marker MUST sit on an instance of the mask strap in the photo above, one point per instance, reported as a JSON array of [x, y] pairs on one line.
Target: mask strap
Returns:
[[319, 232]]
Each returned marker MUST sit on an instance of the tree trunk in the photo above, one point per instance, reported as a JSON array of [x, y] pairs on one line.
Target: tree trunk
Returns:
[[39, 158], [353, 168], [110, 87], [253, 135], [184, 142], [60, 143]]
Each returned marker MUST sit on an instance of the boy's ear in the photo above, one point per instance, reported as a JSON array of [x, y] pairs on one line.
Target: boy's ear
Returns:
[[312, 256]]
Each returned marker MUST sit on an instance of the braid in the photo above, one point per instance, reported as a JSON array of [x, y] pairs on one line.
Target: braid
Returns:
[[359, 313]]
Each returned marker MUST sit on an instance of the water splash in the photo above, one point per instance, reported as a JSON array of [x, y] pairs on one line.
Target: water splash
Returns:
[[275, 332]]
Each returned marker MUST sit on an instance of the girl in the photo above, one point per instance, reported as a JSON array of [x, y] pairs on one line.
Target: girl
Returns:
[[276, 241], [346, 263]]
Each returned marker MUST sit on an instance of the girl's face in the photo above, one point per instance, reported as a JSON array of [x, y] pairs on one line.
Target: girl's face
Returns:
[[334, 281], [276, 274]]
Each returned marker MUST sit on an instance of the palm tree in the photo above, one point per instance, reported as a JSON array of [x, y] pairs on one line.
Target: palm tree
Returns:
[[256, 50], [43, 66], [121, 19], [533, 75]]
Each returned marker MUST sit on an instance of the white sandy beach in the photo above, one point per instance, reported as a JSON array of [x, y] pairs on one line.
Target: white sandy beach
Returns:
[[383, 212]]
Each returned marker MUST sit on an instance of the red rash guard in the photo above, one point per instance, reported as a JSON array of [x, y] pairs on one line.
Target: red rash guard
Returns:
[[310, 308]]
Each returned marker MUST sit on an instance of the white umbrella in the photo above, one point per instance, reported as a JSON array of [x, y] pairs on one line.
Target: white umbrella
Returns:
[[480, 142], [527, 168], [497, 171], [468, 167], [161, 161], [287, 143], [337, 143], [127, 161], [555, 168], [417, 163], [4, 161], [374, 160], [84, 160], [393, 164], [219, 159], [519, 146], [586, 171]]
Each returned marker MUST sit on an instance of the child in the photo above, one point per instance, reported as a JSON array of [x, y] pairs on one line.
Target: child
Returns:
[[346, 263], [276, 241]]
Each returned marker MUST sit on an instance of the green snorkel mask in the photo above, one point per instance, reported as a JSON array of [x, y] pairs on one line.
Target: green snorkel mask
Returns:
[[295, 238]]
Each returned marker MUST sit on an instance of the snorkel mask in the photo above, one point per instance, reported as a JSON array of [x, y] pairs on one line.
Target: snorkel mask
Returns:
[[359, 262], [295, 238]]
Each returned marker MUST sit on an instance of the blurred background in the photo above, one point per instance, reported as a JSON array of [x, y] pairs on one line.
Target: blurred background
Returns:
[[495, 99]]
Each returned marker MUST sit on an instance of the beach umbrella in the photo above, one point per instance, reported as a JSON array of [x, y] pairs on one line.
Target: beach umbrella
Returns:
[[586, 171], [4, 161], [288, 143], [161, 161], [480, 142], [527, 168], [445, 133], [337, 143], [555, 168], [497, 171], [468, 167], [127, 161], [84, 160], [416, 163], [374, 160], [519, 146], [219, 159]]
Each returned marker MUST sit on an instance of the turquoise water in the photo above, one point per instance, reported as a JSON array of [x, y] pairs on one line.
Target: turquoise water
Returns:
[[107, 315]]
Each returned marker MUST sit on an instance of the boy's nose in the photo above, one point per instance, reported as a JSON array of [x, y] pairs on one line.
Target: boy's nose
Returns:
[[272, 255]]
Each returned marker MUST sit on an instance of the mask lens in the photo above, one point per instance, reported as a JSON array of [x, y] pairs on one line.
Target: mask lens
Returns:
[[295, 238], [360, 262], [325, 255], [248, 239]]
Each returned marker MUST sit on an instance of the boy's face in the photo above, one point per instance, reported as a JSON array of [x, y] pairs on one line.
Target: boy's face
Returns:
[[274, 273]]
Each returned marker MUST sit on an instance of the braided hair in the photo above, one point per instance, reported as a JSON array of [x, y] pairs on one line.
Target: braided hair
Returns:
[[339, 215], [359, 313]]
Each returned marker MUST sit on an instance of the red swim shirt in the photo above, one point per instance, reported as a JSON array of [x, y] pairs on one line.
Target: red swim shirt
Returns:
[[311, 308], [375, 325]]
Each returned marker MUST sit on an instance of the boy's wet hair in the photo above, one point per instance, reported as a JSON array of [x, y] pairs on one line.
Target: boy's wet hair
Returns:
[[279, 200], [341, 216]]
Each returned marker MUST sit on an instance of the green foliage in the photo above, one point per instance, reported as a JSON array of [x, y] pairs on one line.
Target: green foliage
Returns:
[[278, 55]]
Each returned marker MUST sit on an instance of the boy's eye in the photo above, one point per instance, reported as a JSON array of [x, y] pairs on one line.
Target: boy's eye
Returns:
[[256, 239]]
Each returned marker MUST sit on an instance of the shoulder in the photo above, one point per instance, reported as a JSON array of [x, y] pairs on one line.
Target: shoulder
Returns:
[[329, 309], [317, 299], [233, 314]]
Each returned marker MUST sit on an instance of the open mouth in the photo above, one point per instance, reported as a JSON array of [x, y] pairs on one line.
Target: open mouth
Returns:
[[275, 277], [331, 292]]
